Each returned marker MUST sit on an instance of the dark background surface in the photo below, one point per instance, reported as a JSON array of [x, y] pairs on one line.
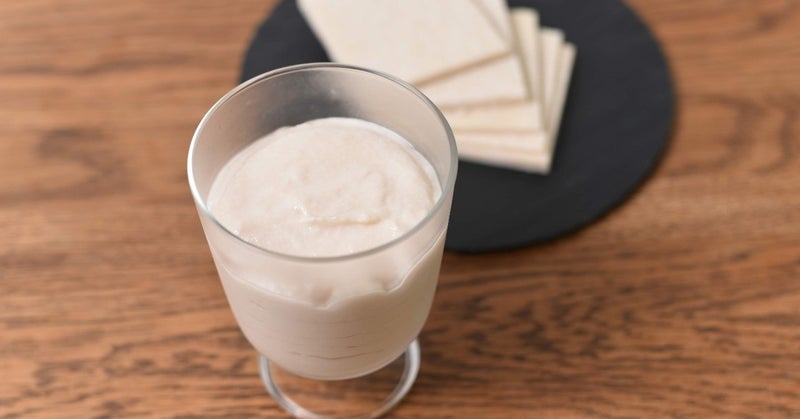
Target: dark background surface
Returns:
[[615, 125]]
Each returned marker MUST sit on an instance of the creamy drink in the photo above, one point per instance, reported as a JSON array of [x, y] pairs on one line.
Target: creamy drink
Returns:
[[324, 191], [315, 194]]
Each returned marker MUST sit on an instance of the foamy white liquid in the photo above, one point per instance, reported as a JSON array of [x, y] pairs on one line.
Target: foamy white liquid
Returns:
[[328, 187]]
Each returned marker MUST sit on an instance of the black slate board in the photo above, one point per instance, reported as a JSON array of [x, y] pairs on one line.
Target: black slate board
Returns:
[[615, 126]]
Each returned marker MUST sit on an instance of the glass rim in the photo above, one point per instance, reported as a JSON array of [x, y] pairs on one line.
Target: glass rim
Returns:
[[449, 183]]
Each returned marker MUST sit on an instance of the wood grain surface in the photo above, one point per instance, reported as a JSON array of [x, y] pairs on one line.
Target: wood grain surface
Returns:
[[684, 302]]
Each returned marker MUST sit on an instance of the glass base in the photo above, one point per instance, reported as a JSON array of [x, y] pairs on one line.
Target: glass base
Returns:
[[362, 397]]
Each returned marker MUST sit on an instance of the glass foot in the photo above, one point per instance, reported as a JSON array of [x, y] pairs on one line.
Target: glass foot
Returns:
[[362, 397]]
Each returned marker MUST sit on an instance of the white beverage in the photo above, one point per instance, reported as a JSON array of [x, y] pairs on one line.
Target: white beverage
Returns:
[[316, 193]]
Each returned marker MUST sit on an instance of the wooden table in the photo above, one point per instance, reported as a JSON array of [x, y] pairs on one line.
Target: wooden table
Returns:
[[684, 302]]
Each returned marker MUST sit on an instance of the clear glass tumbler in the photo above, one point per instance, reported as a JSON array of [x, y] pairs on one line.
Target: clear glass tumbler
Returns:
[[327, 357]]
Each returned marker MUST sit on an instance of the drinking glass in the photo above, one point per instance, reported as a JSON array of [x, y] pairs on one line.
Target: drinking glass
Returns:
[[328, 354]]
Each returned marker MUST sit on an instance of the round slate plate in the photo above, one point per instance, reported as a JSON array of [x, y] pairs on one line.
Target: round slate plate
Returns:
[[615, 125]]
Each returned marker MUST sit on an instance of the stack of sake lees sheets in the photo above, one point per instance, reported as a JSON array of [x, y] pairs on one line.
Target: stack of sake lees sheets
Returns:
[[499, 78]]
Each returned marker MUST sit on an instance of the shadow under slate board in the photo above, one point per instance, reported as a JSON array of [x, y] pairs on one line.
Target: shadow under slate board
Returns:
[[615, 125]]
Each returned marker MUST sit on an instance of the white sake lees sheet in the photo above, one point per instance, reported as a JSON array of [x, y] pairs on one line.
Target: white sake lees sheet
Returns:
[[415, 40], [500, 79], [527, 115], [497, 81], [529, 152]]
